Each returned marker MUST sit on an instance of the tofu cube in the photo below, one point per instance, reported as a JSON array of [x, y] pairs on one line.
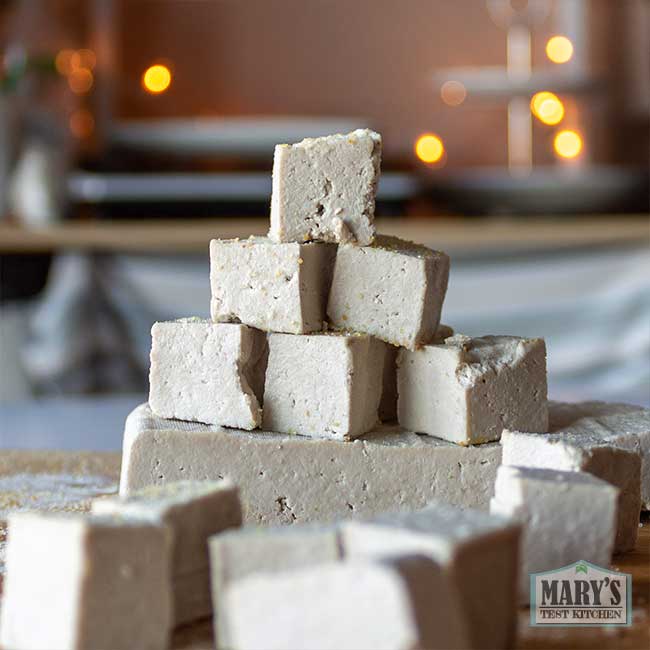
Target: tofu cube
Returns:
[[467, 390], [599, 446], [392, 289], [615, 423], [388, 404], [566, 517], [400, 604], [273, 287], [323, 385], [234, 555], [324, 189], [193, 510], [206, 372], [478, 552], [79, 581]]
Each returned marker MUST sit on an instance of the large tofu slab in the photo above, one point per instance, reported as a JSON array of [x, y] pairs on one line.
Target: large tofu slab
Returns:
[[467, 390], [394, 605], [617, 423], [194, 511], [478, 552], [605, 445], [79, 581], [273, 287], [206, 372], [323, 385], [567, 516], [237, 554], [287, 479], [393, 289], [324, 189]]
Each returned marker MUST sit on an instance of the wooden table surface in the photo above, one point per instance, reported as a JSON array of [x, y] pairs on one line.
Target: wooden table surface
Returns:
[[83, 472], [193, 235]]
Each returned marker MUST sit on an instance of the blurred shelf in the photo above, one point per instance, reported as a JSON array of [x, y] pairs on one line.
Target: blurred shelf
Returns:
[[193, 235]]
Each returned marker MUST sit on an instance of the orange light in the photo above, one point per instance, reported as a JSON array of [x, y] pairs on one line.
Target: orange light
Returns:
[[80, 80], [82, 123], [429, 148], [537, 100], [550, 110], [63, 61], [559, 49], [156, 79], [453, 93], [567, 144], [85, 59]]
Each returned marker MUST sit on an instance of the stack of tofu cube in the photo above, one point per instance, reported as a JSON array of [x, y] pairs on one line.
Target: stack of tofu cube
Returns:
[[324, 326]]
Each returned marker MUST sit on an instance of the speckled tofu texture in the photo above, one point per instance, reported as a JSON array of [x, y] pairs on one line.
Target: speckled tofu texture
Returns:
[[479, 552], [273, 287], [285, 479], [598, 438], [237, 554], [193, 510], [393, 289], [324, 189], [91, 572], [207, 372], [397, 604], [467, 390], [388, 404], [323, 385], [566, 516]]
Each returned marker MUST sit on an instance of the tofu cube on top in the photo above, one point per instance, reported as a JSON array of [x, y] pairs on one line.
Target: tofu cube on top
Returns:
[[207, 372], [273, 287], [324, 189], [323, 385], [566, 517], [392, 289], [81, 581], [467, 390]]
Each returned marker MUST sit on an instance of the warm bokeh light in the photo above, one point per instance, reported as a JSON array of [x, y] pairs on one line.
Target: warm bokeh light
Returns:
[[82, 123], [80, 80], [63, 61], [538, 99], [453, 93], [429, 148], [156, 78], [567, 144], [550, 111], [559, 49], [85, 59]]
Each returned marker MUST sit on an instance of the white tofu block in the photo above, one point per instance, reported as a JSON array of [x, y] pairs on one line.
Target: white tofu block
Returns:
[[324, 188], [605, 445], [79, 581], [294, 479], [323, 385], [467, 390], [193, 510], [234, 555], [566, 517], [617, 423], [393, 289], [399, 605], [388, 403], [273, 287], [206, 372], [478, 552]]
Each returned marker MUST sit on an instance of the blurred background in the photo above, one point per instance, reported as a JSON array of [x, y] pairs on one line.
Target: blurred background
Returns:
[[516, 138]]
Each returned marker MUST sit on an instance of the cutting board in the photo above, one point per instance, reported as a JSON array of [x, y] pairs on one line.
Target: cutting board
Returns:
[[68, 481]]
